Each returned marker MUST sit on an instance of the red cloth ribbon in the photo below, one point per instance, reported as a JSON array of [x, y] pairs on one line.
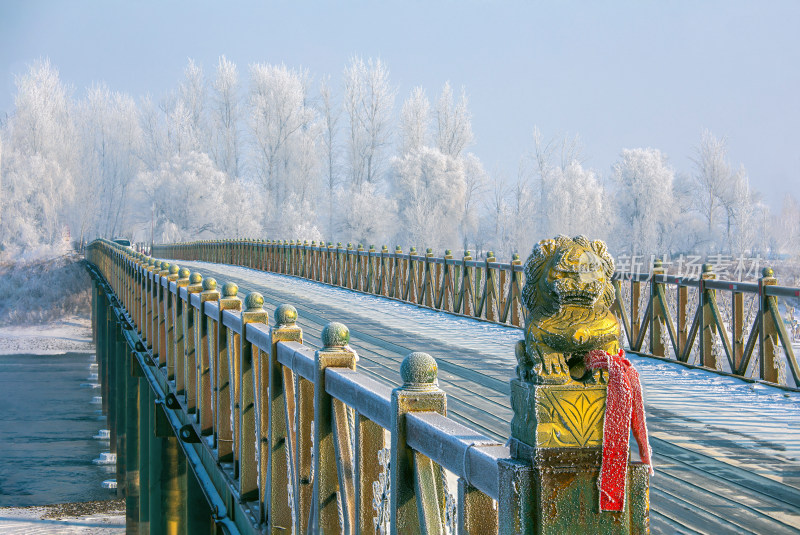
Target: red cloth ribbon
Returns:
[[624, 412]]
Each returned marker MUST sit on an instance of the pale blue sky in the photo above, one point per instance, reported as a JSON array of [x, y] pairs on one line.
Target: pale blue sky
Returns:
[[619, 74]]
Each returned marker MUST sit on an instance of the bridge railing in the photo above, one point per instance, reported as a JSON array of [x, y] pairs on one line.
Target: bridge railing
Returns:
[[302, 440], [738, 328]]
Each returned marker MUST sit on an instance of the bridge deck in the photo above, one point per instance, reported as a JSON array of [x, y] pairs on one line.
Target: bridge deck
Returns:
[[726, 453]]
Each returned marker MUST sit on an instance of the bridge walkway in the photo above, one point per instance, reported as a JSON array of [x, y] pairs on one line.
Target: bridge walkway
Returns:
[[726, 452]]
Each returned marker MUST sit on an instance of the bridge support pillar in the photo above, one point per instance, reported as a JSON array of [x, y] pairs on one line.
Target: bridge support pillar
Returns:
[[144, 456], [196, 509], [173, 486], [155, 446], [132, 447], [120, 358]]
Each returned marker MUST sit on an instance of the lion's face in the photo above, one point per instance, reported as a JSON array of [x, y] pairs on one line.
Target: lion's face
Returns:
[[568, 271], [576, 277]]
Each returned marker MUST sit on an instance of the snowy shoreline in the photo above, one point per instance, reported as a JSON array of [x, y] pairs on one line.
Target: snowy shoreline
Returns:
[[87, 518], [68, 335]]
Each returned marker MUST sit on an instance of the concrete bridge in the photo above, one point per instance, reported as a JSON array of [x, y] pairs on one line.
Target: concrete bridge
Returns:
[[721, 399]]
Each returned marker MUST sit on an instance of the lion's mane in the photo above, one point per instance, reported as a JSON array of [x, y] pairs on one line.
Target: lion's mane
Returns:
[[536, 294]]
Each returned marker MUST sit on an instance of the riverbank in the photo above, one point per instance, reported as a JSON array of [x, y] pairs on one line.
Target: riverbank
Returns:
[[88, 518], [68, 335]]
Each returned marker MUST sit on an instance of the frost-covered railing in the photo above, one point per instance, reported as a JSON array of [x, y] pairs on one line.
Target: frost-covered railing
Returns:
[[302, 440], [484, 289], [732, 327], [728, 326]]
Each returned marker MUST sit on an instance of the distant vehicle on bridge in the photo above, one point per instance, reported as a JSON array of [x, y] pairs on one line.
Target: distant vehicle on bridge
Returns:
[[125, 242]]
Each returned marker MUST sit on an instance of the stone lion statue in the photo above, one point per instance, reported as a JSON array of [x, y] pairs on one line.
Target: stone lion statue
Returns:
[[568, 294]]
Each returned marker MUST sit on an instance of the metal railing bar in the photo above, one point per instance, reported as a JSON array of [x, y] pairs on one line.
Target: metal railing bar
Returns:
[[743, 287], [259, 335], [370, 398], [785, 342], [298, 358], [750, 346], [781, 291], [211, 310], [232, 319], [687, 350], [457, 448]]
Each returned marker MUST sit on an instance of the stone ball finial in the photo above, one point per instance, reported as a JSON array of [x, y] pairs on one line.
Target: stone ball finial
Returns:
[[515, 256], [183, 273], [165, 265], [195, 278], [490, 254], [419, 369], [657, 263], [254, 302], [429, 250], [209, 284], [285, 315], [230, 289], [335, 334], [448, 252], [768, 272], [708, 268], [174, 269]]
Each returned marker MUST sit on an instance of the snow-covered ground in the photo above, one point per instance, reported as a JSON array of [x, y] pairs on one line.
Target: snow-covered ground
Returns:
[[69, 335], [91, 518]]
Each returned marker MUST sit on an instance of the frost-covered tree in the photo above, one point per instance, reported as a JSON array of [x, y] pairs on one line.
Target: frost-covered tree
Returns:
[[740, 206], [154, 148], [786, 228], [368, 100], [574, 202], [497, 222], [110, 136], [475, 184], [225, 117], [570, 197], [712, 176], [430, 189], [414, 121], [40, 163], [36, 194], [524, 231], [329, 119], [192, 95], [643, 200], [187, 199], [278, 114], [366, 214], [550, 158], [453, 123], [42, 122]]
